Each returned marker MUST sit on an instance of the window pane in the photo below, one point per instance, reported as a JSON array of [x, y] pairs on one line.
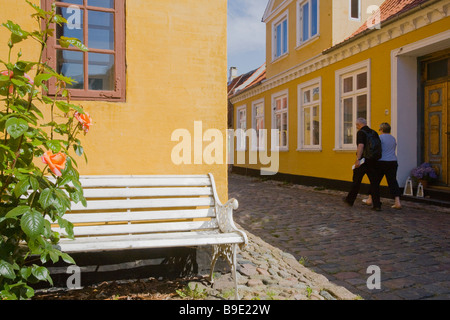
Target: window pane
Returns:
[[101, 30], [278, 104], [80, 2], [314, 17], [74, 26], [438, 69], [278, 53], [361, 105], [101, 3], [348, 121], [284, 130], [316, 126], [355, 9], [305, 24], [316, 94], [101, 71], [348, 84], [307, 96], [70, 64], [361, 81], [284, 103], [285, 31], [307, 127]]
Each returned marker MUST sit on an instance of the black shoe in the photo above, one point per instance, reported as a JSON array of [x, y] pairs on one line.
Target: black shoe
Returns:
[[376, 209], [348, 203]]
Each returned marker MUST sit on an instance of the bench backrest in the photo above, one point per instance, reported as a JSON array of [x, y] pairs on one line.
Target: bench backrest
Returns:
[[118, 205]]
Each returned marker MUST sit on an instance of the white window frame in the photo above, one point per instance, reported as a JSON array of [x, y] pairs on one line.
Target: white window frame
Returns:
[[309, 85], [339, 108], [262, 142], [311, 37], [283, 17], [275, 137], [350, 10], [241, 135]]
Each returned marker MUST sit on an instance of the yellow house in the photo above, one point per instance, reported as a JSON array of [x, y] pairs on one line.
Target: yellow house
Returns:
[[325, 68], [153, 67]]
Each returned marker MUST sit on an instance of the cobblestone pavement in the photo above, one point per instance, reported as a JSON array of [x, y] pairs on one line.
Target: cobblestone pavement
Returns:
[[410, 246]]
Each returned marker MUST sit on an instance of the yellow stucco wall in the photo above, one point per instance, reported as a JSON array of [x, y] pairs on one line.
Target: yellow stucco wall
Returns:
[[176, 74], [328, 163]]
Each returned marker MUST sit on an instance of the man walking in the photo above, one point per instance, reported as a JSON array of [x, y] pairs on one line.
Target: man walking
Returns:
[[369, 149]]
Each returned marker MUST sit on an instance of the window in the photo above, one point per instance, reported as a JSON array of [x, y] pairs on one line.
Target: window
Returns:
[[258, 140], [241, 126], [280, 37], [100, 26], [353, 85], [355, 9], [310, 110], [280, 121], [308, 20]]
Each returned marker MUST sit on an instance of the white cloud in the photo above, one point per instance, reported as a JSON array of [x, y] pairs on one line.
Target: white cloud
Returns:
[[246, 33]]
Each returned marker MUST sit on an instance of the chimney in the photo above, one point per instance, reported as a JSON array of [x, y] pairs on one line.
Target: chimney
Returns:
[[233, 73]]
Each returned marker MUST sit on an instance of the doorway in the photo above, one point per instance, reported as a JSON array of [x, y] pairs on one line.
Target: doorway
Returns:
[[436, 83]]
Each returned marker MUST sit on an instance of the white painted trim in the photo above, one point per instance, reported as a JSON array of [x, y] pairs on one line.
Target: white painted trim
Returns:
[[350, 11], [254, 146], [366, 64], [412, 22], [271, 12], [300, 87], [404, 104], [276, 95], [299, 25], [276, 22], [238, 141]]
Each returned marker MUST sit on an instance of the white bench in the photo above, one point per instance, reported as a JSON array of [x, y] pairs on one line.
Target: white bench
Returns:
[[136, 212]]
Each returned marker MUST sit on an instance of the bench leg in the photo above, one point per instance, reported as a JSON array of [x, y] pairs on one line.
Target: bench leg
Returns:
[[228, 252]]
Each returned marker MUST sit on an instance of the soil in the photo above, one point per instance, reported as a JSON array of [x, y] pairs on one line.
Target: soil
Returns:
[[148, 289]]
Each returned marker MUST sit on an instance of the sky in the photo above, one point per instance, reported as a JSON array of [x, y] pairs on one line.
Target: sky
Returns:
[[246, 34]]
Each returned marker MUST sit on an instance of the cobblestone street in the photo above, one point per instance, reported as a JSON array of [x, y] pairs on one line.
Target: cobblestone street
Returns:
[[411, 246]]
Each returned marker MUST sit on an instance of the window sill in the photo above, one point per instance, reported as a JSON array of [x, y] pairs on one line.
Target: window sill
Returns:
[[345, 150], [310, 150], [276, 59], [307, 42]]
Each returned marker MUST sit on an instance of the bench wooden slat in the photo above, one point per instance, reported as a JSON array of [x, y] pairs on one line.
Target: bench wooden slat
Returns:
[[146, 181], [80, 231], [147, 192], [140, 215], [144, 203], [150, 241]]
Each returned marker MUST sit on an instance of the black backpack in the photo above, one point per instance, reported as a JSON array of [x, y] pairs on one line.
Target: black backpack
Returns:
[[372, 149]]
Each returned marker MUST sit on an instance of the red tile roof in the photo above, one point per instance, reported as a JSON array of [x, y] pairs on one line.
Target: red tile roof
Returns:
[[247, 80], [389, 9]]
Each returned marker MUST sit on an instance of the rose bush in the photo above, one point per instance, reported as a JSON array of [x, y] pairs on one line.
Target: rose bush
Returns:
[[38, 175]]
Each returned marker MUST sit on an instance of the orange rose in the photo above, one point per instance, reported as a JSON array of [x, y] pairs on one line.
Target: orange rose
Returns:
[[85, 120], [56, 162]]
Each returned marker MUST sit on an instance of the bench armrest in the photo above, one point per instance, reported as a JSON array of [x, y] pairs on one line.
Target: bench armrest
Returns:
[[224, 214]]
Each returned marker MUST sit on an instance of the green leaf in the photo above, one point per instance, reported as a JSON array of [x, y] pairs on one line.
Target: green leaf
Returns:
[[54, 145], [65, 42], [32, 223], [21, 187], [63, 106], [42, 77], [16, 127], [17, 34], [46, 198], [18, 211], [42, 274], [7, 270], [67, 258]]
